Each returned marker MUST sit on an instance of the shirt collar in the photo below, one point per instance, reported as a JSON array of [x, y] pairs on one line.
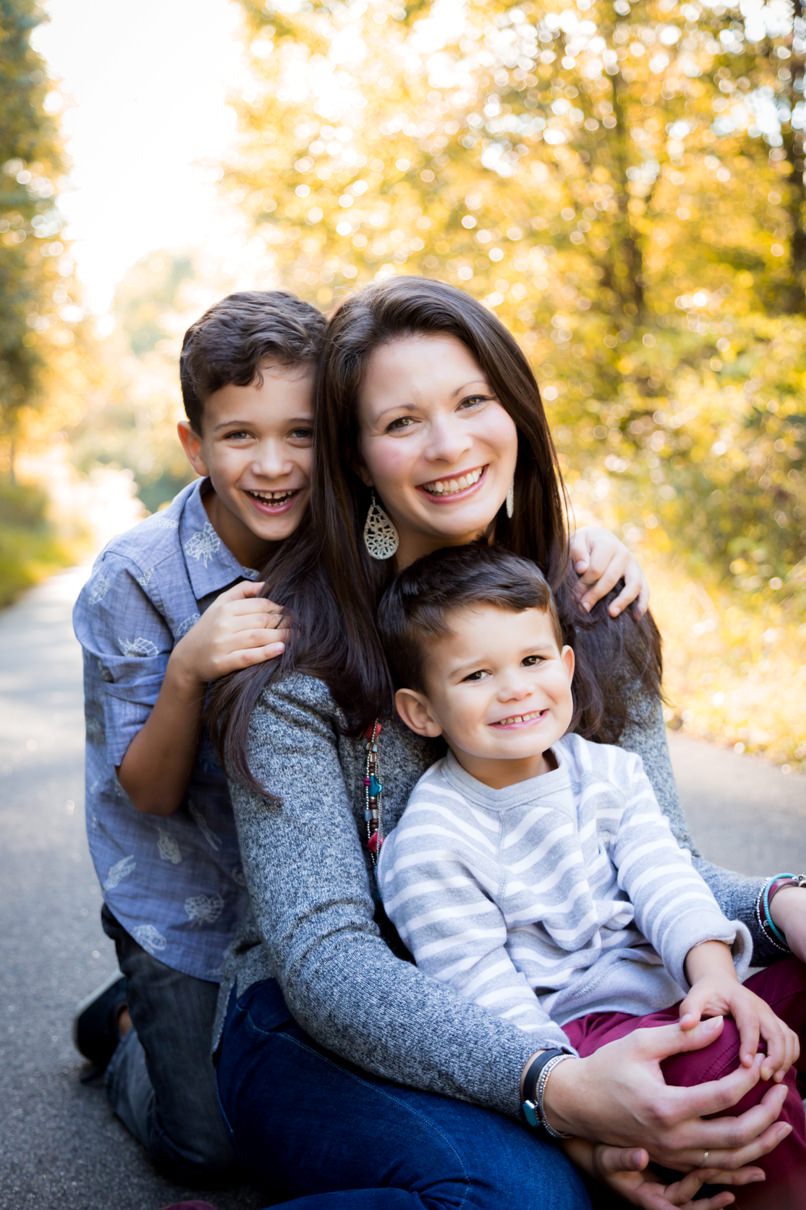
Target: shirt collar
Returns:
[[547, 785], [211, 565]]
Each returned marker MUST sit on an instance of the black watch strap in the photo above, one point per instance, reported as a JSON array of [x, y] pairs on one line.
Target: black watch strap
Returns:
[[531, 1103]]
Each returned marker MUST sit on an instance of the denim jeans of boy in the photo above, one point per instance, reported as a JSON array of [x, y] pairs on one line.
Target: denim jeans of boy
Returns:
[[161, 1081], [307, 1126]]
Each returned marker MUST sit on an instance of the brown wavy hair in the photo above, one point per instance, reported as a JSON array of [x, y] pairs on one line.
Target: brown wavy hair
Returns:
[[235, 337], [330, 587], [421, 603]]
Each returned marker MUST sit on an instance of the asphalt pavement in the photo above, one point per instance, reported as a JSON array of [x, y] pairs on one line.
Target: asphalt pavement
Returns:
[[61, 1148]]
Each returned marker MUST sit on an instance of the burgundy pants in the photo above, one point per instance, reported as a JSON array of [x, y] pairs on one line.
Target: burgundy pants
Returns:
[[783, 986]]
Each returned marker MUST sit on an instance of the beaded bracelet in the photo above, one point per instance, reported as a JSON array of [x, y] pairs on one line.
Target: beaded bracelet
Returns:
[[765, 897]]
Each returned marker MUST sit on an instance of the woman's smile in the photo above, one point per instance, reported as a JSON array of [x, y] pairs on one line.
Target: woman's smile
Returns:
[[457, 486]]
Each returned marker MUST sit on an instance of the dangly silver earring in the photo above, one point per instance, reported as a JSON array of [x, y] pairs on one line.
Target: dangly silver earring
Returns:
[[380, 536], [509, 503]]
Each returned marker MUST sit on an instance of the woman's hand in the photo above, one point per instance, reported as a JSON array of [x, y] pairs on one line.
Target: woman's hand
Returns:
[[788, 910], [626, 1171], [618, 1095], [600, 559]]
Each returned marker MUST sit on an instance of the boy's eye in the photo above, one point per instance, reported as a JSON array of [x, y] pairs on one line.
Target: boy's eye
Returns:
[[237, 435], [477, 675]]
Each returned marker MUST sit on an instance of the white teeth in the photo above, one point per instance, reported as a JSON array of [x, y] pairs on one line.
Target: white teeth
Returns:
[[519, 718], [444, 487], [272, 497]]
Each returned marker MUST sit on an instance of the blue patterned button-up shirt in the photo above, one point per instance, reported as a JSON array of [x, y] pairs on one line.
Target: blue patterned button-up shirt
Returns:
[[174, 883]]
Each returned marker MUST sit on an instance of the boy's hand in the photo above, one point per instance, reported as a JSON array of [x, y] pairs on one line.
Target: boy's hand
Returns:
[[600, 560], [788, 910], [713, 996], [238, 630]]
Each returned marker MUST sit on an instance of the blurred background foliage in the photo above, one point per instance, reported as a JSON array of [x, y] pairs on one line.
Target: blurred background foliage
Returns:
[[623, 183]]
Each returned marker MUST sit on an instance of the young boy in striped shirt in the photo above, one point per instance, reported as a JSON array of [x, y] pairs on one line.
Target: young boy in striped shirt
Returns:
[[534, 870]]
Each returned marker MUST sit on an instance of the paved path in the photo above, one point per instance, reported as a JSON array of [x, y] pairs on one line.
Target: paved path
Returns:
[[61, 1149]]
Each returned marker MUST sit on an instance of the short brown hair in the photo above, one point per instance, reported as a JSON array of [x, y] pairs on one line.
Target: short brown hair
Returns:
[[237, 336], [418, 603]]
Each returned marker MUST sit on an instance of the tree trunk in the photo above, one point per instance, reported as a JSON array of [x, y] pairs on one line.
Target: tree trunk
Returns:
[[794, 294]]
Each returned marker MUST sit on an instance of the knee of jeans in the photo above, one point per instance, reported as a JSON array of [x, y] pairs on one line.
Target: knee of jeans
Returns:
[[545, 1180]]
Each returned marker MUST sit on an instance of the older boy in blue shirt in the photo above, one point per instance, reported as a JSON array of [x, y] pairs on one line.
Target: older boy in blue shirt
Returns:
[[169, 607]]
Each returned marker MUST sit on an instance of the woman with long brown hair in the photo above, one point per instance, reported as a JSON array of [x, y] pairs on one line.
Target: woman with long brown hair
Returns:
[[344, 1072]]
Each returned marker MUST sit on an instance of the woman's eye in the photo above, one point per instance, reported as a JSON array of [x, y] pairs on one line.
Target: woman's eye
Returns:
[[399, 423], [475, 401], [301, 434]]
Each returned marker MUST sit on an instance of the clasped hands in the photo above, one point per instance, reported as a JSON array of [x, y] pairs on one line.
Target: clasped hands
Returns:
[[670, 1120]]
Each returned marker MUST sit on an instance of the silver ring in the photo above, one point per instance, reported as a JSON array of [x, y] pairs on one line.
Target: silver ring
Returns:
[[705, 1155]]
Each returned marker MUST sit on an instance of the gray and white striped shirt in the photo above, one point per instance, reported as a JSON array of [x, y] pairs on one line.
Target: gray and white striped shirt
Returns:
[[559, 896]]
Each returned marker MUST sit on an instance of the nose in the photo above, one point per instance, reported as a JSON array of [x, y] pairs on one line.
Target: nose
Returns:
[[449, 438], [514, 688], [270, 459]]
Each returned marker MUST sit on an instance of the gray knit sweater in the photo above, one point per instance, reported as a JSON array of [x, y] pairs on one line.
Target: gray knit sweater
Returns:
[[314, 901]]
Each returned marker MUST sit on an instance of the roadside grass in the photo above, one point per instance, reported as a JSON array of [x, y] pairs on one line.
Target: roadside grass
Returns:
[[28, 556], [32, 545]]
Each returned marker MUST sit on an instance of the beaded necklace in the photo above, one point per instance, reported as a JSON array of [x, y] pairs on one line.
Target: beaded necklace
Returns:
[[373, 789]]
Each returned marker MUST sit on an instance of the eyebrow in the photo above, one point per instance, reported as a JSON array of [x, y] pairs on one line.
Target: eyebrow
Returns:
[[410, 407], [472, 382], [246, 424], [227, 424]]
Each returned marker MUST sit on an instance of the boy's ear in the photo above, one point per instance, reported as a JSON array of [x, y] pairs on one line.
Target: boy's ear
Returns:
[[415, 711], [569, 661], [192, 445]]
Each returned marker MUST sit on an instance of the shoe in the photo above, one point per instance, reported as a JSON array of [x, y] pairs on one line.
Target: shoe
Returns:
[[95, 1026]]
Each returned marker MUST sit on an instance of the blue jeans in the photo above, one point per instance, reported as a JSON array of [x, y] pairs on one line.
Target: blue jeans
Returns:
[[161, 1082], [311, 1127]]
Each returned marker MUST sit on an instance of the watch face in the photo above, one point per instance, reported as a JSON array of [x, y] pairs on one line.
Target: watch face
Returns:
[[530, 1113]]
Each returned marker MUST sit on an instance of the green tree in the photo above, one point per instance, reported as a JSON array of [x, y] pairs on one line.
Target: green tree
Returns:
[[612, 177], [33, 294]]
